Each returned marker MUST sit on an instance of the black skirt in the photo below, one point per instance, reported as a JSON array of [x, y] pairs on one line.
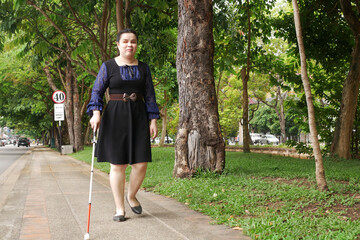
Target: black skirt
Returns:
[[124, 135]]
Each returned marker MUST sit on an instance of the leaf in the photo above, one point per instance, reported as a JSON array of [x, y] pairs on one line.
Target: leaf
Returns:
[[238, 228]]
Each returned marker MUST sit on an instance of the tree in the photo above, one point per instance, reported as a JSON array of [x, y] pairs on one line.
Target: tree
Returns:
[[320, 172], [344, 126], [239, 26], [278, 106], [25, 103], [199, 142], [331, 31]]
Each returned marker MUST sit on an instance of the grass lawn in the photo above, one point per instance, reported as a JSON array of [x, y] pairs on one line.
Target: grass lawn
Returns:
[[268, 197]]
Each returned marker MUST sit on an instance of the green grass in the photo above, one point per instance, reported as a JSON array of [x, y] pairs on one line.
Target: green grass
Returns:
[[269, 197]]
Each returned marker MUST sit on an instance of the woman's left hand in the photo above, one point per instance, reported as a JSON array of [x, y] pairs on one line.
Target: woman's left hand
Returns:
[[153, 129]]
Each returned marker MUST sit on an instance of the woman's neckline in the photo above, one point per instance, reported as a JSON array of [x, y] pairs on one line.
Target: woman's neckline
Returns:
[[122, 64]]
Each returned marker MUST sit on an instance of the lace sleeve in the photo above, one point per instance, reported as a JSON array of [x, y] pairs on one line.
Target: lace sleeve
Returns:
[[99, 88], [152, 108]]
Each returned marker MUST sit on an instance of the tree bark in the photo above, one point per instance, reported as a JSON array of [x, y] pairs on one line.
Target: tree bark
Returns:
[[119, 15], [163, 128], [319, 167], [341, 143], [245, 74], [69, 103], [164, 118], [127, 14], [78, 139], [245, 114], [199, 142], [283, 137]]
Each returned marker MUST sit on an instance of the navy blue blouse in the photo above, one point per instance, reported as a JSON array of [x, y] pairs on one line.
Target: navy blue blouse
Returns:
[[127, 73]]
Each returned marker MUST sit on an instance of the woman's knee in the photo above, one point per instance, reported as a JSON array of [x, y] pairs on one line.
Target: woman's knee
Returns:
[[119, 168], [139, 166]]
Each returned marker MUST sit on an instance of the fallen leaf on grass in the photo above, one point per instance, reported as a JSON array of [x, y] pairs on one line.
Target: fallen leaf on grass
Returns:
[[237, 228]]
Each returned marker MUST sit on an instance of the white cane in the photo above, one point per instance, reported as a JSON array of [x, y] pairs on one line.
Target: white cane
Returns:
[[87, 236]]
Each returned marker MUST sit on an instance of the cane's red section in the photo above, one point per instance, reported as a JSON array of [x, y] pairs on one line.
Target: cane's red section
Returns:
[[88, 221]]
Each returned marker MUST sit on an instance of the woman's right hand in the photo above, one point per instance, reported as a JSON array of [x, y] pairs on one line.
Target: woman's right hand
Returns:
[[95, 120]]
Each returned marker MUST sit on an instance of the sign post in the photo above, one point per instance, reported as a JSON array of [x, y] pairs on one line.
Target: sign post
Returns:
[[59, 115]]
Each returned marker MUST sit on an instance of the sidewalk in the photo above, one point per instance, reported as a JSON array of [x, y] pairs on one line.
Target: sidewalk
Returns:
[[45, 196]]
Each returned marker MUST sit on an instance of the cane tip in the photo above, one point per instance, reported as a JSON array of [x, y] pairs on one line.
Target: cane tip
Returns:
[[86, 236]]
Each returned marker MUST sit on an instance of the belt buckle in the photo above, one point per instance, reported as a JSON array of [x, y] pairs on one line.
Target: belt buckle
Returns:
[[125, 97]]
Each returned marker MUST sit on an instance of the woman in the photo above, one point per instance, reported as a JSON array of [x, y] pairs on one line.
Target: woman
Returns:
[[124, 136]]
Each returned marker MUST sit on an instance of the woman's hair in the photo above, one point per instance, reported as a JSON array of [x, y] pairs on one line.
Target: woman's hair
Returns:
[[126, 30]]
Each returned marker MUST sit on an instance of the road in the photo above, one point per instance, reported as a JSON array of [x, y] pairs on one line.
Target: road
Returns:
[[9, 154]]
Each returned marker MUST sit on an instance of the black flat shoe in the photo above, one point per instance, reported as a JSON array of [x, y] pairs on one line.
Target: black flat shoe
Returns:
[[137, 209], [119, 218]]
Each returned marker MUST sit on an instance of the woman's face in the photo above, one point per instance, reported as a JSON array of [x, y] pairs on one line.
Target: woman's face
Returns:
[[127, 45]]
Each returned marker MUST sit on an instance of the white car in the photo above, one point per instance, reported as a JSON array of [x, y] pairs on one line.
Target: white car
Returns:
[[256, 138], [156, 140], [270, 139], [231, 142], [168, 140]]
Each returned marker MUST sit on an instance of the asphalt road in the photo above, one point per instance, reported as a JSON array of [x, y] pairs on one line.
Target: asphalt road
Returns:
[[9, 154]]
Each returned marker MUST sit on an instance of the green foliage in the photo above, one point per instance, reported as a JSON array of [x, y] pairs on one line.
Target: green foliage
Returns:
[[265, 121], [301, 147], [25, 98], [328, 42]]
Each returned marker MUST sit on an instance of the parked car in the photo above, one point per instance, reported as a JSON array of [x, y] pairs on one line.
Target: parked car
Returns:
[[24, 142], [155, 141], [231, 142], [270, 139], [256, 138], [168, 140]]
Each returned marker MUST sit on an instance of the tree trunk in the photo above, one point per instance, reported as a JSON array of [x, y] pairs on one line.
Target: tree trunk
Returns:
[[319, 167], [164, 118], [163, 128], [245, 74], [199, 142], [73, 111], [241, 134], [78, 139], [69, 102], [87, 138], [245, 115], [127, 14], [341, 140], [282, 122], [119, 15]]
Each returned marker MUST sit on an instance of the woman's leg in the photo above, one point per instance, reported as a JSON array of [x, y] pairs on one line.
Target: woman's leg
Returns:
[[137, 176], [117, 182]]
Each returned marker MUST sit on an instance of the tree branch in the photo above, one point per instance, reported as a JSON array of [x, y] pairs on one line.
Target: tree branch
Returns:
[[351, 16], [253, 111], [60, 75], [67, 41], [49, 78], [87, 29]]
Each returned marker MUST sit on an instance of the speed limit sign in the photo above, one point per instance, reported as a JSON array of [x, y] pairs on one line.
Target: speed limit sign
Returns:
[[58, 96]]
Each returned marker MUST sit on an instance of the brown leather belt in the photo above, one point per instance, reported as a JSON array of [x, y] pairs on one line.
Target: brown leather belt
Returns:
[[126, 97]]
